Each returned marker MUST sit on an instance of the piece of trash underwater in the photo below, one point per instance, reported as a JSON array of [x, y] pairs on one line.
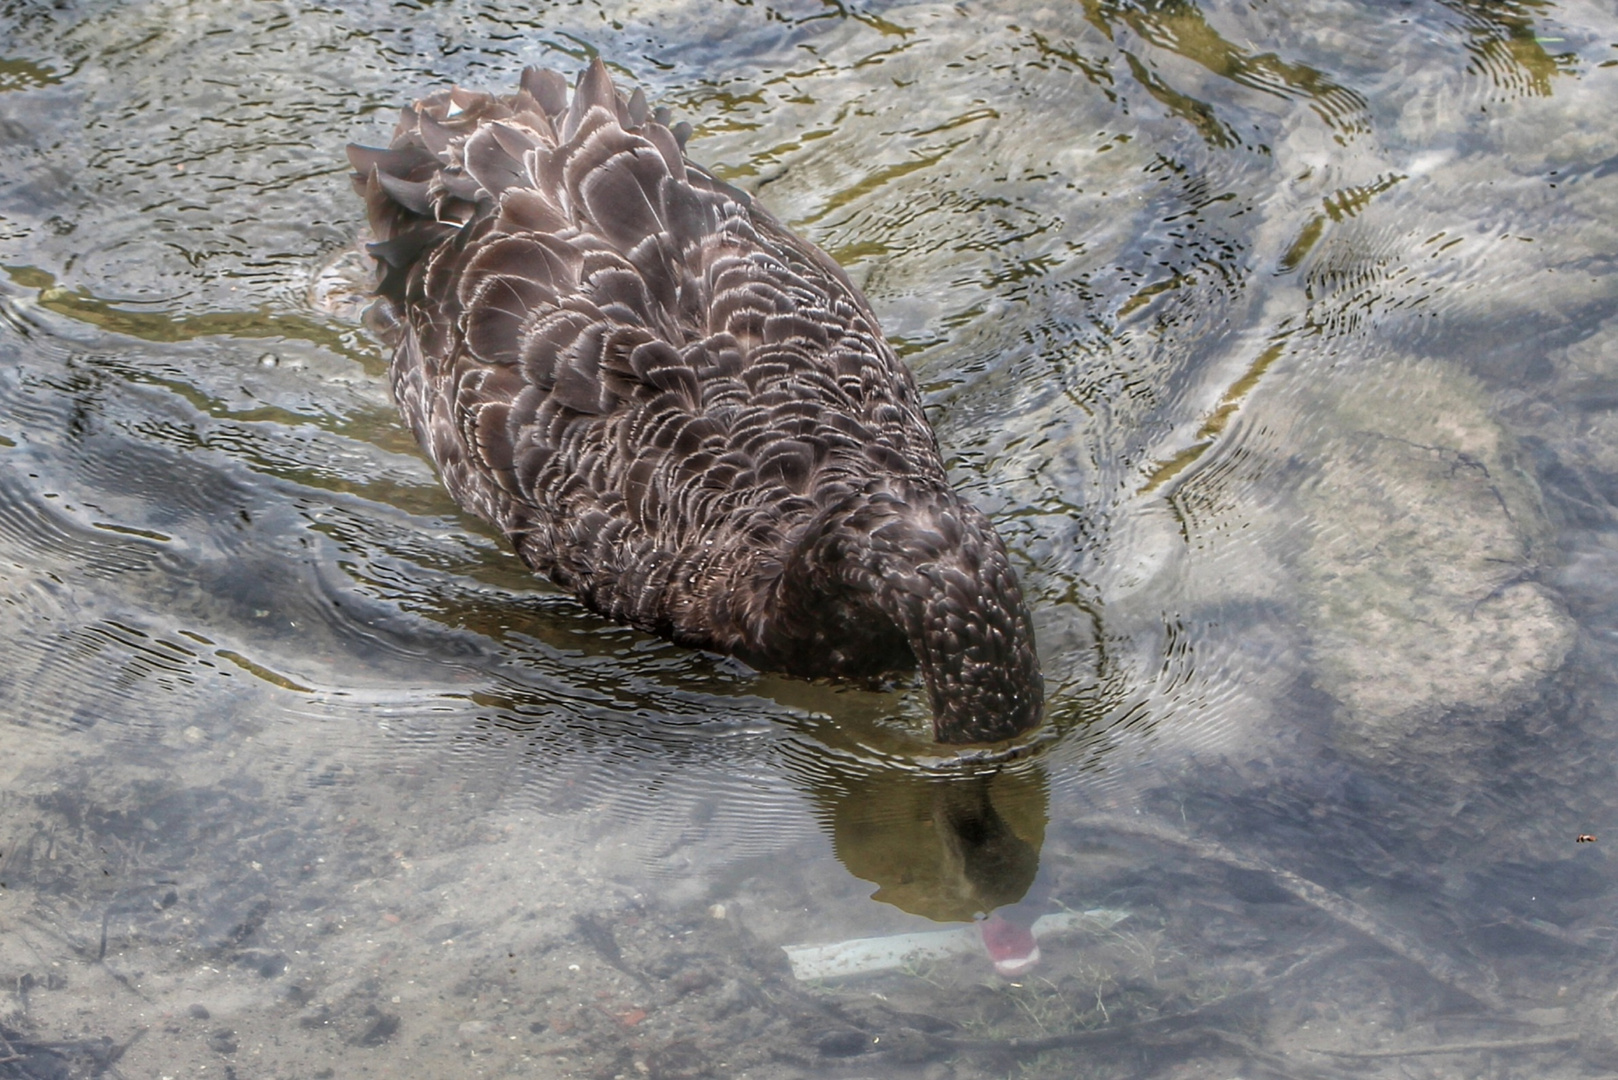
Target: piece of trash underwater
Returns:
[[862, 955]]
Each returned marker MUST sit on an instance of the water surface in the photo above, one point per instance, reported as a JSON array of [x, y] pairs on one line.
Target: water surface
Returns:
[[1279, 339]]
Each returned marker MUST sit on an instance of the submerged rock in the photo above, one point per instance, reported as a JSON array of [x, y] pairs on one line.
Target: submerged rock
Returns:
[[1417, 580]]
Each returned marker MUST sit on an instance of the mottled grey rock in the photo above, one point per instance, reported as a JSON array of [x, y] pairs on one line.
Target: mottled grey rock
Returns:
[[1417, 580]]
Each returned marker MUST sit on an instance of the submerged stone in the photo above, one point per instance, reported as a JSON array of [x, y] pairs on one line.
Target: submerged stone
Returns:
[[1418, 578]]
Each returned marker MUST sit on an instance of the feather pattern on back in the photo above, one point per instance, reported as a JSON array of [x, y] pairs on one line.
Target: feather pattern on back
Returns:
[[673, 406]]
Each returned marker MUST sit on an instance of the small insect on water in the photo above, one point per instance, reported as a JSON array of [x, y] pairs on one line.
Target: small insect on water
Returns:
[[1585, 838]]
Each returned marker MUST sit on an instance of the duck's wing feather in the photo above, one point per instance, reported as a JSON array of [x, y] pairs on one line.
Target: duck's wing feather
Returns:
[[624, 362]]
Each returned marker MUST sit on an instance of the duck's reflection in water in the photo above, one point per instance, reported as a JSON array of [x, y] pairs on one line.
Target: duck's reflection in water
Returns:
[[949, 846], [952, 840]]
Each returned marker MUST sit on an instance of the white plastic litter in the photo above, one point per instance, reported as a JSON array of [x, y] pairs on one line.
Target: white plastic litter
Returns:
[[862, 955]]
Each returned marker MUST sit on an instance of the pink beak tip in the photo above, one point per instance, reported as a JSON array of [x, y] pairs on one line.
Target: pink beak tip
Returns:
[[1010, 946]]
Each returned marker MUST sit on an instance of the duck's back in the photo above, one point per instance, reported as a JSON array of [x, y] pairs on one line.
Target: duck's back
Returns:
[[623, 362]]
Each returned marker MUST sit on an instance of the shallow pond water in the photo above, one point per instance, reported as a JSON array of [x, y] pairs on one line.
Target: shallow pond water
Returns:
[[1280, 339]]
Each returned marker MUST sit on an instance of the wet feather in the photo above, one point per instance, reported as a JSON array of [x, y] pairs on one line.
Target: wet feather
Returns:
[[675, 407]]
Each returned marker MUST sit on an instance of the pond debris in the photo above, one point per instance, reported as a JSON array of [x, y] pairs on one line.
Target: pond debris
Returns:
[[1480, 986], [23, 1059], [860, 956], [1173, 1029], [1494, 1046]]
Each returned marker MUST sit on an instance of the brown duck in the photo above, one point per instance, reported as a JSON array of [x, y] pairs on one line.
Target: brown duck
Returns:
[[673, 406]]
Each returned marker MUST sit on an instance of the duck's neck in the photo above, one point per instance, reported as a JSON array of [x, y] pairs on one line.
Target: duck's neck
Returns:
[[923, 573]]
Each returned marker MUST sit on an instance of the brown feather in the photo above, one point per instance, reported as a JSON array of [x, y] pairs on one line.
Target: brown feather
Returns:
[[674, 406]]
